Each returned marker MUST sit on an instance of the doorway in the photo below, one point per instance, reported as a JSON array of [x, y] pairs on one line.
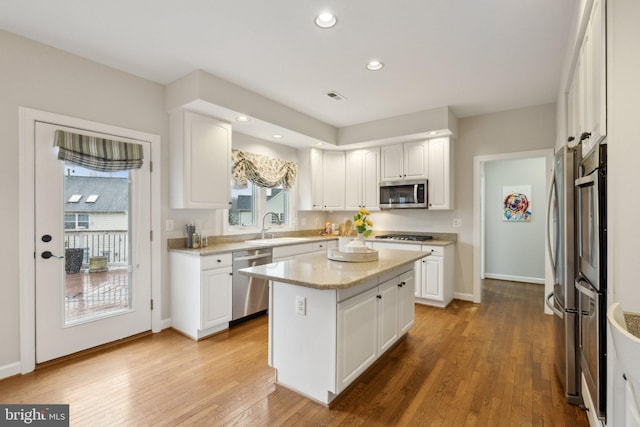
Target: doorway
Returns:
[[479, 220], [80, 291]]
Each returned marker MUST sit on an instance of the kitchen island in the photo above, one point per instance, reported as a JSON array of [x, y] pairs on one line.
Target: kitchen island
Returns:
[[329, 321]]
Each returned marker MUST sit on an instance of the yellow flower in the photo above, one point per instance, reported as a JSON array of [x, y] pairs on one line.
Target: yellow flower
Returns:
[[358, 223], [364, 212], [369, 223]]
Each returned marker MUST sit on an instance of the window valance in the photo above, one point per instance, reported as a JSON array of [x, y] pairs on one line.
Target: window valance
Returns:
[[100, 154], [263, 171]]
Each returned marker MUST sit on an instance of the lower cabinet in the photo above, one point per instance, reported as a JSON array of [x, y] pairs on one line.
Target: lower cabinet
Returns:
[[433, 280], [370, 323], [200, 293], [437, 276]]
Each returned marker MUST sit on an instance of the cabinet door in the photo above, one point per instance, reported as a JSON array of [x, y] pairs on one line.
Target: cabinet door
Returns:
[[433, 277], [392, 162], [207, 158], [388, 314], [354, 180], [357, 336], [416, 160], [406, 302], [597, 121], [316, 164], [216, 297], [371, 176], [333, 173], [439, 174]]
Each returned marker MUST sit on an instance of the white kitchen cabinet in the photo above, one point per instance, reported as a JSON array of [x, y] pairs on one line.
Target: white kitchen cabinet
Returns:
[[200, 161], [321, 180], [200, 293], [437, 276], [405, 161], [216, 295], [333, 180], [433, 275], [362, 179], [357, 336], [283, 253], [441, 173], [388, 309], [406, 302], [369, 324], [586, 96]]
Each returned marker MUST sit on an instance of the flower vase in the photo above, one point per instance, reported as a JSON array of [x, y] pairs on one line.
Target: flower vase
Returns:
[[360, 237]]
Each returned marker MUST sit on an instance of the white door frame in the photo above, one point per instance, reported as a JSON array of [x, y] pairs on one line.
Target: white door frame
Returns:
[[26, 244], [478, 223]]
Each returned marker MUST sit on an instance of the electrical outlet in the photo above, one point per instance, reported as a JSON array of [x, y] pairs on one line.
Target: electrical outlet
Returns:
[[169, 226], [457, 222], [301, 306]]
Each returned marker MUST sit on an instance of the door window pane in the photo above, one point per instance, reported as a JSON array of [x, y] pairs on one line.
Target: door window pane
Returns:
[[97, 244]]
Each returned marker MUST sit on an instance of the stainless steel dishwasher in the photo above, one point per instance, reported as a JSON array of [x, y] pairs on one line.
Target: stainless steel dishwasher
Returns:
[[250, 295]]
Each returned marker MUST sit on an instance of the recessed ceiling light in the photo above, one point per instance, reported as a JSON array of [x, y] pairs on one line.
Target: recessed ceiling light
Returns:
[[375, 65], [242, 119], [277, 136], [326, 20]]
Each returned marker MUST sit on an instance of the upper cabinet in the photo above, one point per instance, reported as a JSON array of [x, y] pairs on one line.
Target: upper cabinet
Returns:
[[200, 162], [405, 161], [586, 95], [362, 178], [441, 173], [321, 180]]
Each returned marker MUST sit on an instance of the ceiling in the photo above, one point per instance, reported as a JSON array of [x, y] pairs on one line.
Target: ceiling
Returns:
[[474, 56]]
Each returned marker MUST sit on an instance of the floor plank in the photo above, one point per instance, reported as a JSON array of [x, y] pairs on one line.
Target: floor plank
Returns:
[[466, 365]]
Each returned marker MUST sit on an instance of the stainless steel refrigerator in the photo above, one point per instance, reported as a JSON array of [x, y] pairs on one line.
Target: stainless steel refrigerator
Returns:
[[563, 300]]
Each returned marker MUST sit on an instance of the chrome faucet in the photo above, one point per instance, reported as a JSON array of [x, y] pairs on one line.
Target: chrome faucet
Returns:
[[265, 217]]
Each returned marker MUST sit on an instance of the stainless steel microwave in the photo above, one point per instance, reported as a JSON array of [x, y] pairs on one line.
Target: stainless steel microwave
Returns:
[[405, 194]]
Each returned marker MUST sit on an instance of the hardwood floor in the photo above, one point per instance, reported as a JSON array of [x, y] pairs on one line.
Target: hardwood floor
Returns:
[[467, 365]]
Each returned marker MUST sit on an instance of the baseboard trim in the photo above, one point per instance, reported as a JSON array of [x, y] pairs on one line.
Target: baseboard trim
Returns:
[[10, 370], [165, 323], [535, 280], [463, 297]]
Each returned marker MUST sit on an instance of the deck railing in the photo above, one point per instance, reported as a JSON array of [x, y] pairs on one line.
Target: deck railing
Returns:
[[113, 244]]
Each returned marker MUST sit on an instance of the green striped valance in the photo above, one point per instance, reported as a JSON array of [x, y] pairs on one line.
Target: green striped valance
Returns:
[[100, 154]]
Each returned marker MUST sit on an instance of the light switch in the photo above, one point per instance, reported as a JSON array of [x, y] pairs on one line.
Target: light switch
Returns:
[[457, 222], [169, 225]]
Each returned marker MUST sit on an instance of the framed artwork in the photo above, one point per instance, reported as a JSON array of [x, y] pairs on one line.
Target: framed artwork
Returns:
[[516, 203]]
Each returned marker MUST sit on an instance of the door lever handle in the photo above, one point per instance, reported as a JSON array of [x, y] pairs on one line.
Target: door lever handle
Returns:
[[47, 255]]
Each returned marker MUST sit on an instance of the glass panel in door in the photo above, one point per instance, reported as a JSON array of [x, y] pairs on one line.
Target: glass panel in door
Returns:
[[97, 244]]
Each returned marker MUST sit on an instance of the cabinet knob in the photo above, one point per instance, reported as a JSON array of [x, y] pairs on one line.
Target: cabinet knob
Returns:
[[399, 285], [379, 296], [219, 260]]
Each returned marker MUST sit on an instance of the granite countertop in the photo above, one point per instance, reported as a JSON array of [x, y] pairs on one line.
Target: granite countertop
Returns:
[[633, 323], [319, 272], [220, 248]]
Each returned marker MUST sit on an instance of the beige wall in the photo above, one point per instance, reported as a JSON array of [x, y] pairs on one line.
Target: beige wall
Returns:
[[37, 76]]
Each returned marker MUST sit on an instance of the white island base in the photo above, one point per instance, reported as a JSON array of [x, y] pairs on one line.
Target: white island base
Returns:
[[321, 340]]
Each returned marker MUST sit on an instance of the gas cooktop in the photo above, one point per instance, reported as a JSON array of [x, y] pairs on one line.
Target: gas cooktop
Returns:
[[410, 237]]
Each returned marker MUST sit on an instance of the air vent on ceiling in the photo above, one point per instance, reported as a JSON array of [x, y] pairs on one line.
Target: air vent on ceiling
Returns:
[[335, 96]]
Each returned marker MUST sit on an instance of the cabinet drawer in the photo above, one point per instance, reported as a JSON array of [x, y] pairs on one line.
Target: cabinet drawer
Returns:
[[286, 251], [435, 250], [322, 246], [215, 261]]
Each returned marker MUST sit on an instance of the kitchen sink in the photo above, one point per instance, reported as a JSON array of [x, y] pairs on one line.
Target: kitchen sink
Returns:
[[277, 240]]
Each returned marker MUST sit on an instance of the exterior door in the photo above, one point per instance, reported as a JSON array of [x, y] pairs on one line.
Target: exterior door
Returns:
[[92, 250]]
